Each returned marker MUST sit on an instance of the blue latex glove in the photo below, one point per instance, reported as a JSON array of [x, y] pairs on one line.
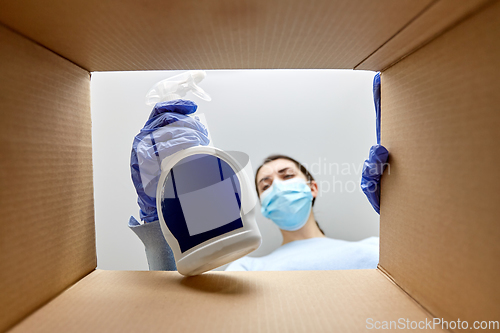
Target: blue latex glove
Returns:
[[372, 171], [374, 166], [167, 131]]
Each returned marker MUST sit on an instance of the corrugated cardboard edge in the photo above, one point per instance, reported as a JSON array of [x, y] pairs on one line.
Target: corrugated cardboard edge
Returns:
[[3, 25], [436, 19], [388, 276], [53, 298]]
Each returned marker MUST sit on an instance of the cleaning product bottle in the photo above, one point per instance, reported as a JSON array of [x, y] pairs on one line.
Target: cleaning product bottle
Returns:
[[205, 198]]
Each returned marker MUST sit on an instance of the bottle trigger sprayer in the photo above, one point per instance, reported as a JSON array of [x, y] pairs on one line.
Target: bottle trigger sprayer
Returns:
[[205, 198], [177, 87]]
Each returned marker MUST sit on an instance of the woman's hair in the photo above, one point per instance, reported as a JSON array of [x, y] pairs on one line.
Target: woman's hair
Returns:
[[301, 168]]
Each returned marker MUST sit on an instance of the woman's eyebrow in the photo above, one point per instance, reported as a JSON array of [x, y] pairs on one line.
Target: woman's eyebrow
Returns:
[[279, 171], [283, 170], [265, 178]]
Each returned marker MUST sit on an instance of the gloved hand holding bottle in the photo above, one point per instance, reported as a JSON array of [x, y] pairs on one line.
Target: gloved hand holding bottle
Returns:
[[168, 130]]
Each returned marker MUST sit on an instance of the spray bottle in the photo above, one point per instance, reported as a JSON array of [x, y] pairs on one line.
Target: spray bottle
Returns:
[[205, 199]]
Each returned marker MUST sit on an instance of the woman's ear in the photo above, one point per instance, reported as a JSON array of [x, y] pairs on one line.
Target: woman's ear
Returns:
[[314, 188]]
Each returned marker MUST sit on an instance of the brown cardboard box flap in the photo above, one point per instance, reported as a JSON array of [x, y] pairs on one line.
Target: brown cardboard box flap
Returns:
[[125, 35], [439, 16], [439, 222], [295, 301], [46, 202]]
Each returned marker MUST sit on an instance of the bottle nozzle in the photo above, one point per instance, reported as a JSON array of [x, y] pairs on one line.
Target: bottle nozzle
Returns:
[[176, 87]]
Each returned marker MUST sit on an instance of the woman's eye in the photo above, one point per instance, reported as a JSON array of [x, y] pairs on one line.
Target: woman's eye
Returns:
[[265, 187], [288, 176]]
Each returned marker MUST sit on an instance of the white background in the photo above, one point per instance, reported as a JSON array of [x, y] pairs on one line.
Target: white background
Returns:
[[323, 118]]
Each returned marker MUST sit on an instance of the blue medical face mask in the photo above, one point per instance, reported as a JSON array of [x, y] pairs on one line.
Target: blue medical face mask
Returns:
[[287, 203]]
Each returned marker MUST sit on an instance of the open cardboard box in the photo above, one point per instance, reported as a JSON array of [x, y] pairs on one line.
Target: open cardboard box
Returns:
[[439, 223]]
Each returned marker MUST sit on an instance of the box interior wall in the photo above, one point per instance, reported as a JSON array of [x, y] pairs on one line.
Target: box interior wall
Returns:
[[440, 120]]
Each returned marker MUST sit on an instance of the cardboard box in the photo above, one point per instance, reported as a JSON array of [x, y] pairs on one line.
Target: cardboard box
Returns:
[[439, 230]]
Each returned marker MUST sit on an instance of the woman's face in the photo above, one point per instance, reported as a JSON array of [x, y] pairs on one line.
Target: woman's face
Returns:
[[282, 169]]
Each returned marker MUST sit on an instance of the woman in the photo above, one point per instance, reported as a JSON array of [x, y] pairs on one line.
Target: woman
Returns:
[[287, 192]]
